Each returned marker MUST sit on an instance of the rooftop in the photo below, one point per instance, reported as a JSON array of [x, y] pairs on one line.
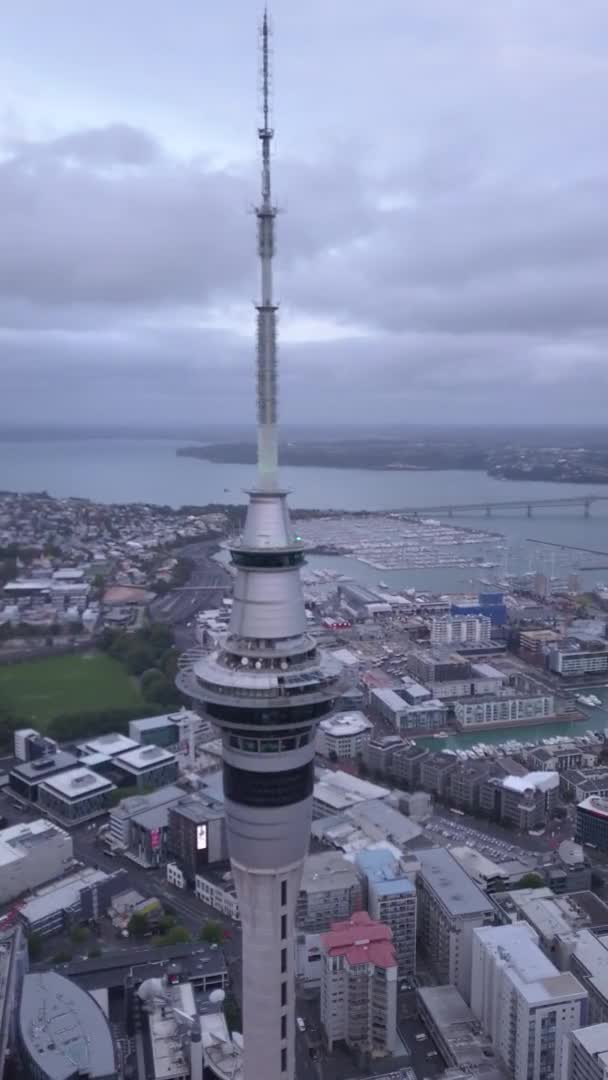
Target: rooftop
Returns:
[[340, 790], [18, 840], [541, 781], [454, 888], [64, 1030], [346, 723], [531, 973], [328, 870], [110, 744], [384, 872], [361, 941], [59, 895], [112, 968], [594, 1040], [596, 804], [40, 768], [78, 782], [457, 1025], [138, 804], [144, 757], [198, 810]]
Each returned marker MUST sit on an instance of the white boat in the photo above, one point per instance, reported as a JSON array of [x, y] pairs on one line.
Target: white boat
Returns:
[[589, 700], [383, 584], [441, 735], [595, 700]]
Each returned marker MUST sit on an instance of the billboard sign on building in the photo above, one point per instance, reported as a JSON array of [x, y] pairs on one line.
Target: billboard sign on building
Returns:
[[201, 837], [154, 839]]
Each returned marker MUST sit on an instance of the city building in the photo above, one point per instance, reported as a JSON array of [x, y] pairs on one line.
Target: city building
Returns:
[[197, 835], [111, 745], [523, 802], [266, 686], [120, 832], [71, 901], [592, 822], [572, 661], [359, 986], [454, 1029], [158, 730], [464, 783], [450, 907], [336, 791], [29, 745], [557, 920], [63, 1032], [522, 1001], [361, 603], [330, 891], [215, 886], [417, 805], [407, 717], [490, 604], [30, 854], [570, 871], [586, 1053], [378, 753], [589, 962], [74, 796], [25, 779], [435, 772], [561, 757], [579, 784], [366, 823], [147, 766], [390, 898], [482, 712], [465, 630], [13, 966], [537, 642], [407, 764], [343, 735]]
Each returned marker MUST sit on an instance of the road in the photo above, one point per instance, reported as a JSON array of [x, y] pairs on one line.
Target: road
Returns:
[[206, 587]]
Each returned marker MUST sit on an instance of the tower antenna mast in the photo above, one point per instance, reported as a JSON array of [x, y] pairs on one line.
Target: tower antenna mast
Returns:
[[266, 309]]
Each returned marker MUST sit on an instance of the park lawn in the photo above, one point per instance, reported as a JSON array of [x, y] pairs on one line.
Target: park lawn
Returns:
[[41, 689]]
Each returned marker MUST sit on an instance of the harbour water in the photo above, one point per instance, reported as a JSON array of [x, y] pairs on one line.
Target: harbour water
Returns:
[[148, 470]]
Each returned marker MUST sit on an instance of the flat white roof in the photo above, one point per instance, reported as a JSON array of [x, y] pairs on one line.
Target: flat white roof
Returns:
[[455, 889], [111, 744], [13, 840], [143, 757], [60, 895], [341, 790], [390, 698], [346, 723], [596, 804], [594, 1039], [76, 783], [544, 781], [531, 973]]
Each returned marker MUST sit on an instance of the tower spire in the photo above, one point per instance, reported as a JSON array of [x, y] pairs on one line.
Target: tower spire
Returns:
[[266, 308]]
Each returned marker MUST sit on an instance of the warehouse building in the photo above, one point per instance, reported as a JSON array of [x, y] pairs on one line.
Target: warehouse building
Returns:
[[30, 854], [63, 1033], [75, 796]]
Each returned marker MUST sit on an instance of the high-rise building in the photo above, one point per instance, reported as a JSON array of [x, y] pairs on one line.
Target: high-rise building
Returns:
[[450, 906], [522, 1001], [391, 899], [586, 1054], [330, 890], [465, 630], [266, 686], [359, 985]]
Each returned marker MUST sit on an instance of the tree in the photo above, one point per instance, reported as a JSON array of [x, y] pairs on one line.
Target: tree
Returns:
[[178, 935], [79, 935], [34, 946], [212, 932], [138, 924], [232, 1013], [167, 922], [530, 881]]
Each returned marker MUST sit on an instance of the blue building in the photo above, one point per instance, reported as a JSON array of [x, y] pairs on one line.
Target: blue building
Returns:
[[491, 604], [391, 899]]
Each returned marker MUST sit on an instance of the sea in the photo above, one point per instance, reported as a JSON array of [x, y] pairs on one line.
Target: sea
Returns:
[[120, 470]]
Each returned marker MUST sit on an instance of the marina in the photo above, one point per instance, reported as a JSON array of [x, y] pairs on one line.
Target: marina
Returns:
[[393, 542]]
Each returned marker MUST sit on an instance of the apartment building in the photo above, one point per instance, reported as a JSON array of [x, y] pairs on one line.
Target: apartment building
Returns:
[[390, 898], [586, 1054], [450, 906], [436, 770], [463, 630], [522, 1001], [359, 986], [330, 891], [499, 710], [343, 735]]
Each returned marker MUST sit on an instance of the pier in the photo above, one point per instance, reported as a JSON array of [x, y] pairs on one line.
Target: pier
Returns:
[[489, 506]]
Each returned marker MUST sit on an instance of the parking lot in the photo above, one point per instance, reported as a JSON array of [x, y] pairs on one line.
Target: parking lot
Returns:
[[495, 843]]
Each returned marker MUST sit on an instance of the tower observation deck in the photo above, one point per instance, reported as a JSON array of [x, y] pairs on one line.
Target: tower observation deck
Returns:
[[266, 688]]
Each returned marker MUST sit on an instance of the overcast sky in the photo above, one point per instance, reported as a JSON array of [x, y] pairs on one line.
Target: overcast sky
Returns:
[[442, 165]]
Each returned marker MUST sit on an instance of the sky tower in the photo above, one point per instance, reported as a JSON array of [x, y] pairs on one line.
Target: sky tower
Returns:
[[266, 688]]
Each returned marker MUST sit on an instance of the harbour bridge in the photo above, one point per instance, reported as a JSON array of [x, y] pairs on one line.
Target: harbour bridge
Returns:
[[488, 506]]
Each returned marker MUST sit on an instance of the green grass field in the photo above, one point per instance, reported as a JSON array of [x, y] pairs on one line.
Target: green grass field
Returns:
[[42, 689]]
